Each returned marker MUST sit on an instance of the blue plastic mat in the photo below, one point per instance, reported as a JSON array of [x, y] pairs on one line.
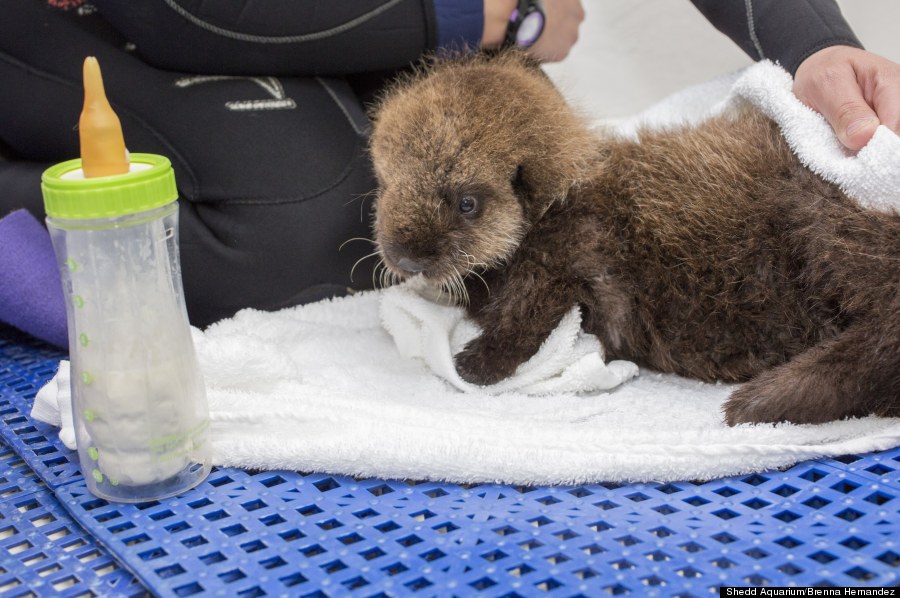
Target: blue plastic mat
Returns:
[[25, 366], [43, 552], [277, 533], [829, 522]]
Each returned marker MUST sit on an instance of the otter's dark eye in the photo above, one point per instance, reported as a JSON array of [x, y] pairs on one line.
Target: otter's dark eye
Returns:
[[467, 204]]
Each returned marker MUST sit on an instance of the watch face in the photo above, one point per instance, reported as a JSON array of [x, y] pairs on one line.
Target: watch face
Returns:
[[530, 29]]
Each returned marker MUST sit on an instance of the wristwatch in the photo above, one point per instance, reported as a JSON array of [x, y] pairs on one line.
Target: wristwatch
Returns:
[[526, 23]]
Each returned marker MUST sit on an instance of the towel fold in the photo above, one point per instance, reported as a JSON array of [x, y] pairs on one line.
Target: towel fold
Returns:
[[323, 387], [364, 385], [871, 176], [568, 361], [53, 405]]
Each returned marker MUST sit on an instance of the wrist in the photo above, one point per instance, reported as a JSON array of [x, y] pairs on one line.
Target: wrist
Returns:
[[826, 52], [819, 69], [496, 21]]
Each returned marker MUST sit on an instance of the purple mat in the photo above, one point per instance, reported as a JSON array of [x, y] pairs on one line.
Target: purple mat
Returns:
[[31, 297]]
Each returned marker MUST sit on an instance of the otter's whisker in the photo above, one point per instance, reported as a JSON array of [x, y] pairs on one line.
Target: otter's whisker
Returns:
[[460, 285], [472, 263], [457, 296], [374, 253], [361, 196], [375, 271], [451, 288], [483, 281], [383, 276], [447, 290], [356, 239]]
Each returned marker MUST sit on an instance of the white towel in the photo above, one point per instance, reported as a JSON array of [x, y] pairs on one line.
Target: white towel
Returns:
[[53, 405], [569, 360], [872, 176], [326, 387]]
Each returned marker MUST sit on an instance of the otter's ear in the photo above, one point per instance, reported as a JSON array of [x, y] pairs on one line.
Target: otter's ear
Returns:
[[547, 176]]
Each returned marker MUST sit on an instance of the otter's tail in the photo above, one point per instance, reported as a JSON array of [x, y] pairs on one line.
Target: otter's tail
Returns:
[[853, 375]]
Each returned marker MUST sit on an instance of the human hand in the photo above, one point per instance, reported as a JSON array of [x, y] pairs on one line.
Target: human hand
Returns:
[[563, 18], [853, 89], [496, 20]]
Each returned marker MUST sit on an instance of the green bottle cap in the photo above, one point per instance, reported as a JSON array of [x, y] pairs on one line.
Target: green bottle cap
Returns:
[[70, 196]]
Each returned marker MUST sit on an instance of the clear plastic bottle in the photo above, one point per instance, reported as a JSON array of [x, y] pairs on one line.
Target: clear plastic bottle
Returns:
[[138, 396]]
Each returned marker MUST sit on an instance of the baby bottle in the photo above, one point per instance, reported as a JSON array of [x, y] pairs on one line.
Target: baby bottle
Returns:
[[138, 398]]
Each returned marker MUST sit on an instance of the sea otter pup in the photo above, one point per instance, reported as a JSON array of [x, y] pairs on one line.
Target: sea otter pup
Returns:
[[707, 251]]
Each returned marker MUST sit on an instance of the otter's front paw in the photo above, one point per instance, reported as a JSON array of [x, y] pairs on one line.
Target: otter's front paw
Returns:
[[479, 364]]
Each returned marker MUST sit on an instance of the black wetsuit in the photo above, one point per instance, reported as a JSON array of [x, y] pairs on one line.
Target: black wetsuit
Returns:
[[260, 107], [783, 31]]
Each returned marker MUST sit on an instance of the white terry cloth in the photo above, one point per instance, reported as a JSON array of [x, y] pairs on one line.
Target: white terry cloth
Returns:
[[53, 405], [872, 176], [569, 360], [326, 387], [323, 387]]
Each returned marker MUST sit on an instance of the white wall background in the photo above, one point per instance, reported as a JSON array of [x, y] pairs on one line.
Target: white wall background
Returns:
[[631, 54]]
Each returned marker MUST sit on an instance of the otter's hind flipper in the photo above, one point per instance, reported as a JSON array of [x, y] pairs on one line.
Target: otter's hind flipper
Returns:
[[853, 375]]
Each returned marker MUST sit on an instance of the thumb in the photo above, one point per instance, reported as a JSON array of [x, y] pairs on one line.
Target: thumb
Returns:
[[846, 110]]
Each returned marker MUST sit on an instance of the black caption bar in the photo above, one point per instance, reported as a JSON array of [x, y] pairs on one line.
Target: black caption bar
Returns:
[[733, 591]]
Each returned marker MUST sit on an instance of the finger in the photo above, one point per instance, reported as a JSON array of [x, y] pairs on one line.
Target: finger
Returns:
[[842, 104], [887, 105]]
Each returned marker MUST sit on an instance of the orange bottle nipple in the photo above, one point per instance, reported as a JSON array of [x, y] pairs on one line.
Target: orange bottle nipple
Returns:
[[102, 144]]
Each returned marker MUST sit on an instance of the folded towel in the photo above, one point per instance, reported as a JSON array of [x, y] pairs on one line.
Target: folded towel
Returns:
[[871, 176], [323, 387], [329, 387], [568, 361], [31, 297], [53, 405]]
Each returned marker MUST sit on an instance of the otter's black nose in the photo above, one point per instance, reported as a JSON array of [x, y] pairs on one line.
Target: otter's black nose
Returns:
[[400, 255], [410, 265]]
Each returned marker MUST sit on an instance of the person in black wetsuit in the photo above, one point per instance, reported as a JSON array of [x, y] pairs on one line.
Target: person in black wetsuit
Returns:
[[853, 89], [260, 107]]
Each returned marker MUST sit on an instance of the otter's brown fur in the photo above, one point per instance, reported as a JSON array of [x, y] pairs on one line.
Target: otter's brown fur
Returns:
[[708, 251]]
